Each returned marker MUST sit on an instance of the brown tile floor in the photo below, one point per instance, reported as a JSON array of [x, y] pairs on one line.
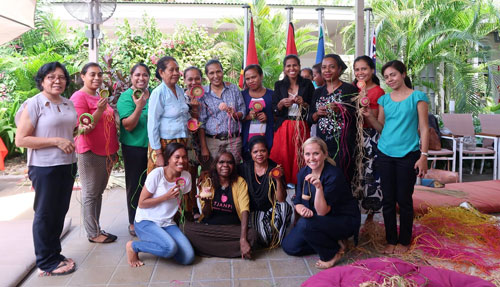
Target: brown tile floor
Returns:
[[106, 264]]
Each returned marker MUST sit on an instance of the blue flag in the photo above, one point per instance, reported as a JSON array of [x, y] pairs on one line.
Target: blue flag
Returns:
[[320, 53]]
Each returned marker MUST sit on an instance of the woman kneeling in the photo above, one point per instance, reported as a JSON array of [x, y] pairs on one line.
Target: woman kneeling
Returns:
[[329, 212], [158, 203]]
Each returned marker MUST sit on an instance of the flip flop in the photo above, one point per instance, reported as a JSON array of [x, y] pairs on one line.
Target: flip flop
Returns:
[[131, 231], [54, 273]]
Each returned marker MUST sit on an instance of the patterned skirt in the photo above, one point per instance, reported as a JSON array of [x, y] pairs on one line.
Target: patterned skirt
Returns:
[[271, 235], [372, 197]]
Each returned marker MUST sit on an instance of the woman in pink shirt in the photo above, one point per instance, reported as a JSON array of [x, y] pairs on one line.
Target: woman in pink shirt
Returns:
[[96, 150]]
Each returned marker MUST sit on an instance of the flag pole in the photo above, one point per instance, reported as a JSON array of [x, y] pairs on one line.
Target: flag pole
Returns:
[[245, 37], [289, 15], [321, 13], [368, 31]]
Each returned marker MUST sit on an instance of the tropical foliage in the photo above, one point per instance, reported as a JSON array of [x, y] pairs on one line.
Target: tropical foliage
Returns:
[[432, 33], [270, 40]]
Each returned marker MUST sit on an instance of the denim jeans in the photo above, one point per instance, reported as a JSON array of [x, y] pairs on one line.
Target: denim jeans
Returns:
[[164, 242]]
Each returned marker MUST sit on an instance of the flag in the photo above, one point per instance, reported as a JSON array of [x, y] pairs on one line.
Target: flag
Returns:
[[373, 48], [320, 51], [251, 53], [290, 41]]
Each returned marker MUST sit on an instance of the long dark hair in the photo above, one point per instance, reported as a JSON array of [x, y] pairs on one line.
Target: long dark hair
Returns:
[[161, 65], [370, 64], [286, 80], [213, 170], [400, 67]]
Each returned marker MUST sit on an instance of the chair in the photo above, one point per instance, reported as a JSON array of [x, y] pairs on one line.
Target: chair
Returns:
[[490, 126], [444, 154], [461, 126]]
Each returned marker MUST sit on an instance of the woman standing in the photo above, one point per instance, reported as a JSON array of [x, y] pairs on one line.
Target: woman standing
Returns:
[[168, 112], [334, 113], [258, 101], [329, 212], [364, 70], [291, 100], [133, 113], [223, 231], [401, 113], [96, 149], [269, 212], [45, 126], [158, 204]]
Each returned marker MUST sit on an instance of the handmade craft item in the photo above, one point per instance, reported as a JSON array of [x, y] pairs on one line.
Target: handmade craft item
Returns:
[[364, 101], [223, 107], [196, 92], [104, 94], [276, 172], [256, 106], [138, 93], [361, 85], [207, 191], [306, 196], [86, 119], [180, 182], [193, 124]]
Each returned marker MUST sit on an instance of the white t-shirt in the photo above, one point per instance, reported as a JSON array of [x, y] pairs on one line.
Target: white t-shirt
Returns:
[[163, 213]]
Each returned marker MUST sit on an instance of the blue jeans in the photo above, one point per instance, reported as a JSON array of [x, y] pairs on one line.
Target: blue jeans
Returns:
[[164, 242]]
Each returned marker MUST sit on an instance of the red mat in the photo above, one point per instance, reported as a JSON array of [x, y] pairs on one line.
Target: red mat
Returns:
[[483, 195]]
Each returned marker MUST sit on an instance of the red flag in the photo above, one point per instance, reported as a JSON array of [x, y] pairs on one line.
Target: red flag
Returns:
[[251, 52], [290, 41]]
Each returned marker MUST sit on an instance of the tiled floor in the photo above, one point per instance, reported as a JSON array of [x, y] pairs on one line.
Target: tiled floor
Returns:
[[106, 264]]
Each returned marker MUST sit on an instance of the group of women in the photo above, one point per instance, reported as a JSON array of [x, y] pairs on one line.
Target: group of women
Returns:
[[243, 204]]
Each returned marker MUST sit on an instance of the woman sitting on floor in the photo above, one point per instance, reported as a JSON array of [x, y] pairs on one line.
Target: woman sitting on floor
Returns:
[[154, 220], [270, 214], [329, 212], [223, 231]]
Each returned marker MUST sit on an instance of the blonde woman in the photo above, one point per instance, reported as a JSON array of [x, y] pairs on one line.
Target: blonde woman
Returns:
[[329, 213]]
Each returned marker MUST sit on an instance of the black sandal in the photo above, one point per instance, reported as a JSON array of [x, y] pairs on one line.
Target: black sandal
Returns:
[[109, 238]]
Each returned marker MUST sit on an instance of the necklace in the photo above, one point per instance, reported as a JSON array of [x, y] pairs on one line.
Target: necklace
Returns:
[[256, 177]]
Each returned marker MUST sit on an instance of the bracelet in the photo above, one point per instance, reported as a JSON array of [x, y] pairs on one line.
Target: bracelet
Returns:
[[424, 153]]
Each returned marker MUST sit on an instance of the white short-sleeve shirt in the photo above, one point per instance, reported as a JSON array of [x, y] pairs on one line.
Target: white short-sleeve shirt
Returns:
[[163, 213]]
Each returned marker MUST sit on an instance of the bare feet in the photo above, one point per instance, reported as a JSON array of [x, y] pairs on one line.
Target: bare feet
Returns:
[[320, 264], [400, 249], [389, 249], [132, 256]]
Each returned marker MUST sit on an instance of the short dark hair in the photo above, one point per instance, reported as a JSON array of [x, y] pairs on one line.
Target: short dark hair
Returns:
[[339, 61], [308, 70], [211, 62], [213, 170], [370, 64], [317, 67], [49, 68], [256, 140], [253, 67], [170, 149], [89, 65], [161, 65], [190, 68], [140, 65], [400, 67]]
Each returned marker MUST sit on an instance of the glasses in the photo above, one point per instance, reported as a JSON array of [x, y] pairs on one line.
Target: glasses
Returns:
[[54, 78], [221, 162]]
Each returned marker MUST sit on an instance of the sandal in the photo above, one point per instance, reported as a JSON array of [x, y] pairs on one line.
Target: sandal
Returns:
[[54, 272], [109, 238], [131, 231]]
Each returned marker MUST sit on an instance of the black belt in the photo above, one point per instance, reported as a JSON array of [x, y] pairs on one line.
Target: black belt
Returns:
[[223, 136]]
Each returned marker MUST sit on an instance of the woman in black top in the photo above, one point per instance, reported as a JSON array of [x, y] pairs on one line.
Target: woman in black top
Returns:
[[269, 212], [291, 100], [334, 113], [329, 213]]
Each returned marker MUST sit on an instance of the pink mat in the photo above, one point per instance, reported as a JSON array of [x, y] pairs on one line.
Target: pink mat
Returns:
[[377, 269], [483, 195]]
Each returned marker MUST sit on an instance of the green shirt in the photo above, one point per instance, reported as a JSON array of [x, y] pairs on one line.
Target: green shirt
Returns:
[[139, 135]]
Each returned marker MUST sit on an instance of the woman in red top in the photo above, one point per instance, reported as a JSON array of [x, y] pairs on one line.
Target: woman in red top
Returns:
[[96, 149], [364, 70]]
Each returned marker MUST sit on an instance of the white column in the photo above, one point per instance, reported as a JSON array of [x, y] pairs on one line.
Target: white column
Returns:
[[359, 35]]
